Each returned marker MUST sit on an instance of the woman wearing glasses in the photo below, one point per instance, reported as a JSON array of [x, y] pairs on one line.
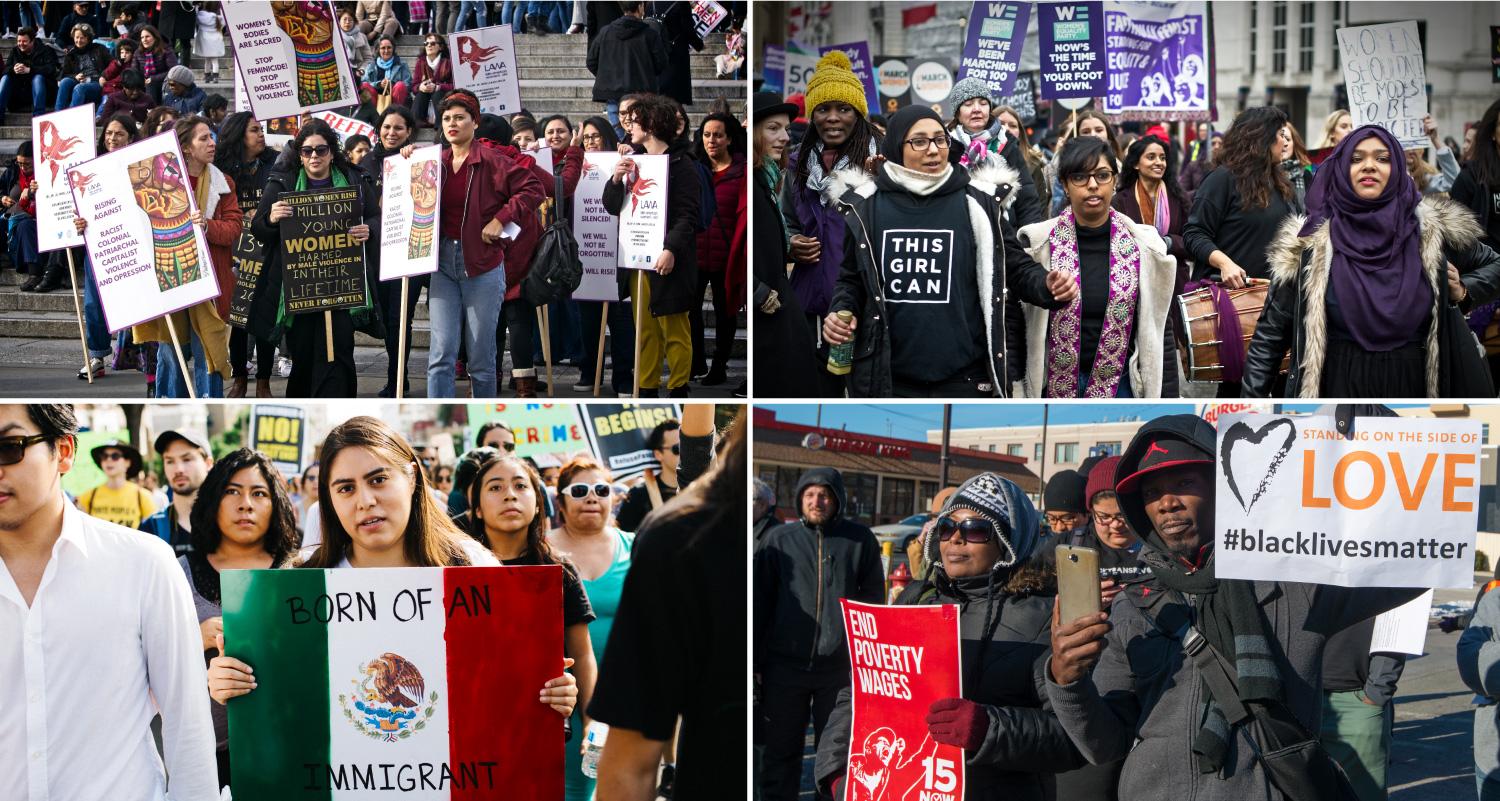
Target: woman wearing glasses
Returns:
[[310, 161], [927, 261], [1112, 340], [596, 136], [433, 78], [980, 549], [507, 503]]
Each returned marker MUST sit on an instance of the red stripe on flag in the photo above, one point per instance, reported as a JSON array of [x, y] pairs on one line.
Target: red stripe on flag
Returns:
[[498, 661], [916, 14]]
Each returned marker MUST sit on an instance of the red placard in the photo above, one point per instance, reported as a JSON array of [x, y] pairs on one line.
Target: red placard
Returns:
[[903, 658]]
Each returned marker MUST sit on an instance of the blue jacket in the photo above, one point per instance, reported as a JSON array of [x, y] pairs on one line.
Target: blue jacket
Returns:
[[398, 74], [190, 103]]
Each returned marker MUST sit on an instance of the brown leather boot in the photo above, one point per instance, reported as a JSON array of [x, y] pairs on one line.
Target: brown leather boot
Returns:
[[526, 386], [237, 389]]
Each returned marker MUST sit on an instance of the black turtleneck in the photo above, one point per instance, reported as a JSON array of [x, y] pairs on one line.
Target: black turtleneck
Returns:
[[1093, 262]]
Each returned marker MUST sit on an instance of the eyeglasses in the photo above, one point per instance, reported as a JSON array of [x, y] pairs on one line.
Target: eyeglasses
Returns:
[[627, 116], [110, 456], [1082, 178], [582, 490], [315, 150], [922, 142], [975, 530], [13, 449], [1109, 520], [1061, 519]]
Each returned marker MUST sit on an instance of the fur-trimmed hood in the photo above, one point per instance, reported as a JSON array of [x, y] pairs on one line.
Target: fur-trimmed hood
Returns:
[[991, 179]]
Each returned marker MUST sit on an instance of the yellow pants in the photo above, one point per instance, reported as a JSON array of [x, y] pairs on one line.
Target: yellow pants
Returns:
[[671, 335]]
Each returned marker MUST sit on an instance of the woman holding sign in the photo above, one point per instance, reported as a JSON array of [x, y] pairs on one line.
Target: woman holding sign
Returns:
[[1367, 293], [597, 135], [507, 512], [396, 126], [378, 511], [981, 550], [244, 157], [312, 160], [242, 520]]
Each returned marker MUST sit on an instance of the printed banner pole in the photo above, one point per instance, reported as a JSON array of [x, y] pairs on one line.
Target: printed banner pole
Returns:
[[640, 289], [78, 310], [328, 330], [599, 362], [187, 376], [401, 345]]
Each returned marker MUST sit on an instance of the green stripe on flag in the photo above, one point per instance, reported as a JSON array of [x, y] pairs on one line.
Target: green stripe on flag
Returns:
[[282, 724]]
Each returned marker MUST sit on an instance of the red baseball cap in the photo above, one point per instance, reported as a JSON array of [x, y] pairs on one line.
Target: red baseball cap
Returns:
[[1162, 454]]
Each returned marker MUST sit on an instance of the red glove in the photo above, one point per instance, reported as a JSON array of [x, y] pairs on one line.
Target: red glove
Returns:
[[958, 722], [836, 789]]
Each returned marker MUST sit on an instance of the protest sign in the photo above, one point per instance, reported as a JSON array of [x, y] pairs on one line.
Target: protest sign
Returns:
[[409, 211], [617, 434], [345, 127], [992, 49], [1071, 38], [1386, 79], [643, 218], [931, 83], [291, 57], [61, 140], [1157, 60], [149, 259], [892, 83], [542, 156], [322, 266], [863, 67], [486, 65], [1393, 507], [540, 428], [595, 229], [415, 681], [706, 16], [1403, 630], [799, 70], [773, 69], [903, 658], [279, 432], [1022, 96], [249, 257]]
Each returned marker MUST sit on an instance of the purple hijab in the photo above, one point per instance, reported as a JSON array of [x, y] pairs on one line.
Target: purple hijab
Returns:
[[1377, 274]]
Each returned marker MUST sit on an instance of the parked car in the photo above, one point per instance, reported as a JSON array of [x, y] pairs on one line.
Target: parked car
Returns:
[[900, 534]]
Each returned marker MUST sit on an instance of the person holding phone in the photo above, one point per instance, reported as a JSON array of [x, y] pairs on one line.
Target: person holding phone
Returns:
[[981, 549]]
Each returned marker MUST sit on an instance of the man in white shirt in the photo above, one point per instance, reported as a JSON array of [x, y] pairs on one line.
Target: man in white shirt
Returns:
[[97, 636]]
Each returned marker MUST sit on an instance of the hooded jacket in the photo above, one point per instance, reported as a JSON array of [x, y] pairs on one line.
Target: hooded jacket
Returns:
[[1024, 744], [1143, 702], [1001, 267], [1295, 318], [801, 572], [626, 56]]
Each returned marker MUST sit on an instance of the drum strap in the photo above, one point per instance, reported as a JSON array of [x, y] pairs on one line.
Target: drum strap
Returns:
[[1228, 328]]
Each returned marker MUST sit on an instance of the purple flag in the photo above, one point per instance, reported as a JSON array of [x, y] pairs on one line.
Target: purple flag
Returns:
[[1072, 43], [993, 49]]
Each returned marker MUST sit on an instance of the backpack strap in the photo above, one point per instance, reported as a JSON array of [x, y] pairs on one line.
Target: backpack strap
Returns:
[[1212, 665]]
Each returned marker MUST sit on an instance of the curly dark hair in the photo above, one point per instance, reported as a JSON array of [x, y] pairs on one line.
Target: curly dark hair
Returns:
[[1485, 160], [282, 536], [1130, 172], [1246, 154], [290, 160]]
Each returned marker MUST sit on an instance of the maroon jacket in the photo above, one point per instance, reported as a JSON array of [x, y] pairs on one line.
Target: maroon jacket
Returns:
[[714, 244], [443, 77], [498, 189]]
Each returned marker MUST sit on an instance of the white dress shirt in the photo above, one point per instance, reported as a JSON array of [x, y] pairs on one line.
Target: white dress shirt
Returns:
[[110, 639]]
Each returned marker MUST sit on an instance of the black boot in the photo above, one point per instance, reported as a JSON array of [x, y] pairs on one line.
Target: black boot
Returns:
[[32, 282], [55, 278], [679, 392]]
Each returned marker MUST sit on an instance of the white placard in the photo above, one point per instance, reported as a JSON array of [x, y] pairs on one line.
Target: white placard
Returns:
[[60, 141], [148, 259], [595, 229], [799, 70], [706, 16], [643, 218], [484, 62], [1386, 79], [543, 156], [291, 57], [1397, 506], [1403, 630], [410, 208], [345, 127]]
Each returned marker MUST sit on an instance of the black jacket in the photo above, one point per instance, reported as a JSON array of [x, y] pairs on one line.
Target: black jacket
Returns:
[[677, 292], [43, 60], [784, 337], [678, 32], [801, 572], [627, 56]]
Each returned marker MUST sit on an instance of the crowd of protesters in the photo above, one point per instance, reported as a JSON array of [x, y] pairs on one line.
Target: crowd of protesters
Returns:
[[1081, 239], [629, 565], [134, 69]]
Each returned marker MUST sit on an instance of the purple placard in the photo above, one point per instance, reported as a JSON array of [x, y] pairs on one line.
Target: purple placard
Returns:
[[1072, 49], [859, 57], [773, 69], [1158, 60], [993, 49]]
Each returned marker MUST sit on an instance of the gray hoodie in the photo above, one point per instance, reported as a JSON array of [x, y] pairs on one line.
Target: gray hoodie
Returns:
[[1479, 667]]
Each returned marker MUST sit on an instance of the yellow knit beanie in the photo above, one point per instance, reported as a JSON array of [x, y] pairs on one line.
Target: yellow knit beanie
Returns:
[[834, 80]]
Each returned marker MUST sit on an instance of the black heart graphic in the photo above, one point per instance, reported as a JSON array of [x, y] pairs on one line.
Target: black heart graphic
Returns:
[[1241, 432]]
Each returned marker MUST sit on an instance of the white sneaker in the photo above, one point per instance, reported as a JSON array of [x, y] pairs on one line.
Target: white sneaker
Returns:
[[283, 366], [96, 366], [9, 35], [583, 386]]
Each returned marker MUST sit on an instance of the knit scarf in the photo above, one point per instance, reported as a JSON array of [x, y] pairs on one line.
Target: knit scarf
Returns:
[[1065, 329], [386, 64], [1230, 618], [1161, 209], [978, 148], [773, 174], [817, 179]]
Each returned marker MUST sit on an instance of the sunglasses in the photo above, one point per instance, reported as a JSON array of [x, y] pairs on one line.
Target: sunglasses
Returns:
[[975, 530], [582, 490], [315, 150], [13, 449], [505, 446], [675, 449], [110, 456]]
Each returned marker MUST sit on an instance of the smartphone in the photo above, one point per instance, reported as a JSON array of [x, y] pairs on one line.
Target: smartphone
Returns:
[[1077, 582]]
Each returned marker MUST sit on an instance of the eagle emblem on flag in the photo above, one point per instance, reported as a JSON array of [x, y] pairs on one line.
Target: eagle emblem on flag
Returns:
[[390, 700]]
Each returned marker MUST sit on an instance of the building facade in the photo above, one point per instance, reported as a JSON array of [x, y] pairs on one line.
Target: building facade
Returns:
[[1052, 448]]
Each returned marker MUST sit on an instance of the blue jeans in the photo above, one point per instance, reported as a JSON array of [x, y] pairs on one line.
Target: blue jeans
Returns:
[[558, 16], [467, 308], [23, 240], [8, 84], [612, 112], [71, 93], [481, 15], [96, 333], [169, 383]]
